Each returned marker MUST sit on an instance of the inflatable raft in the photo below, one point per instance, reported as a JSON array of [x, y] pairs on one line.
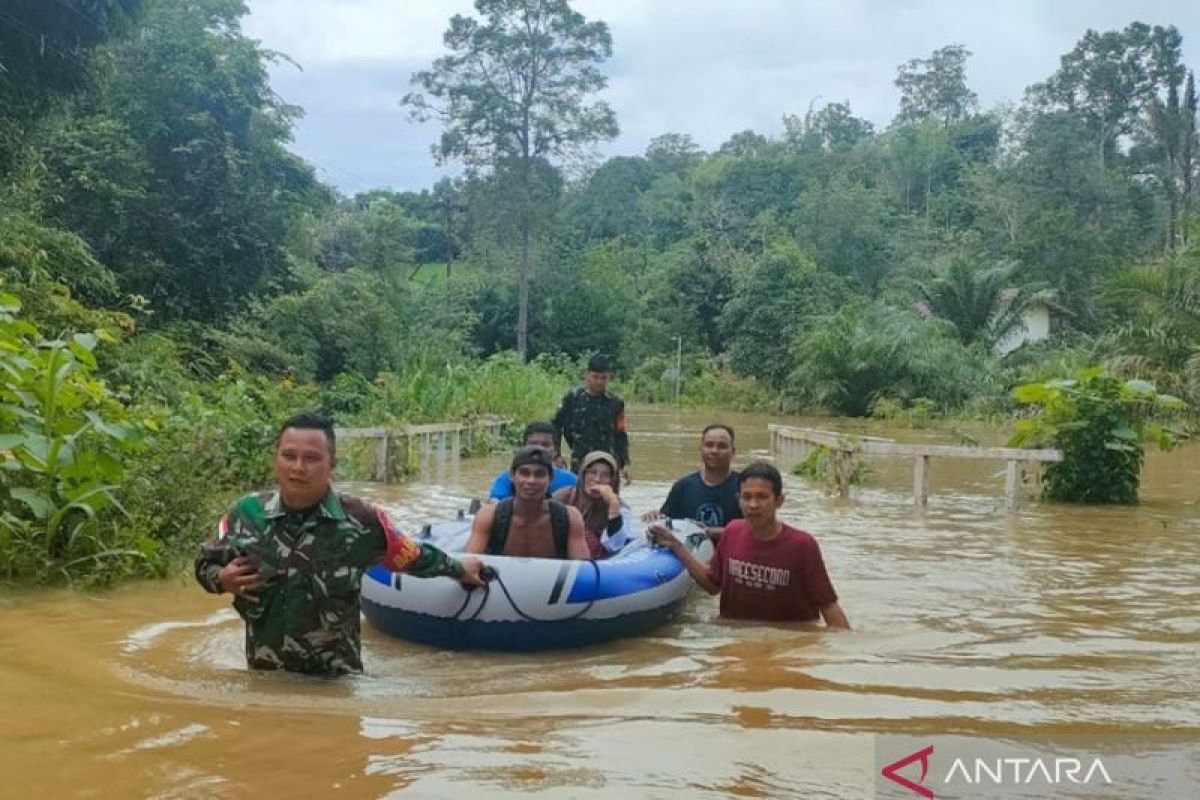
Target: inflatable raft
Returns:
[[535, 603]]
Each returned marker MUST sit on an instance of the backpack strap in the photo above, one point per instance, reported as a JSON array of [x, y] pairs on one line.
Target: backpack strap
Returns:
[[501, 520], [560, 526]]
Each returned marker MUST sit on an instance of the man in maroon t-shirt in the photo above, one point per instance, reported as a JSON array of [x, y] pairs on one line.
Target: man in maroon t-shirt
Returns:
[[763, 569]]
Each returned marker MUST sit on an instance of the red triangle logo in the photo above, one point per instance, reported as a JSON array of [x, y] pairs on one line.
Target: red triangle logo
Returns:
[[891, 770]]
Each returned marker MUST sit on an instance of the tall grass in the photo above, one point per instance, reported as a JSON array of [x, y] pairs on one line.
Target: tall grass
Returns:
[[435, 392]]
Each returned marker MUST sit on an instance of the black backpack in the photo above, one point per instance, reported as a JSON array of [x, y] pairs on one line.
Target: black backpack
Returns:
[[560, 526]]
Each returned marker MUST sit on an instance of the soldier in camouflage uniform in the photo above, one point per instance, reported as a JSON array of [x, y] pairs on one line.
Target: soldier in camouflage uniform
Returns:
[[592, 418], [294, 559]]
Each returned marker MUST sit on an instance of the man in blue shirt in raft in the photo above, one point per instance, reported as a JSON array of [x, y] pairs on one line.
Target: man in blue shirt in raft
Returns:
[[709, 495], [537, 434]]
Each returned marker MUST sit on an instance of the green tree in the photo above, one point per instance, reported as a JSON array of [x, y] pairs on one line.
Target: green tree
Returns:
[[44, 55], [181, 181], [979, 299], [1158, 336], [935, 88], [848, 229], [774, 298], [1108, 79], [64, 437], [846, 360], [1168, 151], [513, 91], [673, 153], [833, 128], [607, 206]]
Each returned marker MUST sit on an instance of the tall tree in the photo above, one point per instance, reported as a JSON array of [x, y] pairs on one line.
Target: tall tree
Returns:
[[1108, 78], [514, 90], [832, 128], [979, 299], [1168, 151], [180, 180], [44, 54], [936, 87]]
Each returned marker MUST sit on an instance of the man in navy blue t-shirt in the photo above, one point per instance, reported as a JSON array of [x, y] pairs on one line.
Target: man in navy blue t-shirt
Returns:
[[709, 495], [537, 434]]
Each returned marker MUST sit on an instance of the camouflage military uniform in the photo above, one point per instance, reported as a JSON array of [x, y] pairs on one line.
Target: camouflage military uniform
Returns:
[[311, 564], [592, 422]]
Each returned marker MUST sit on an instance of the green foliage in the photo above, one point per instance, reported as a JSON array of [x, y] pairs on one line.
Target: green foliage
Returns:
[[500, 386], [774, 298], [548, 53], [1159, 337], [62, 448], [917, 413], [39, 261], [936, 87], [178, 175], [821, 466], [596, 289], [1108, 77], [1100, 423], [374, 233], [43, 49], [844, 361], [980, 301], [703, 385]]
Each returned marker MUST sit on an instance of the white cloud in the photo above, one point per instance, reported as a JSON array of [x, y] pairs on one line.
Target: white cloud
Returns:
[[317, 32], [708, 68]]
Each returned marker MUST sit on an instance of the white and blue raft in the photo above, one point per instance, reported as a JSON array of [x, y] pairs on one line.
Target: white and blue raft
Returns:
[[535, 603]]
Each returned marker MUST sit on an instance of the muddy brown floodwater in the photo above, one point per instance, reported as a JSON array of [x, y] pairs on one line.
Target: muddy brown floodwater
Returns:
[[1064, 623]]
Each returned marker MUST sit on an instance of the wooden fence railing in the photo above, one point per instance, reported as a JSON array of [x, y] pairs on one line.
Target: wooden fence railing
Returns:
[[434, 444], [791, 445]]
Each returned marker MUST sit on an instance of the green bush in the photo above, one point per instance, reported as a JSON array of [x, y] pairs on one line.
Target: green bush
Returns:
[[843, 362], [500, 386], [64, 440], [821, 467], [1100, 423], [917, 413], [704, 385]]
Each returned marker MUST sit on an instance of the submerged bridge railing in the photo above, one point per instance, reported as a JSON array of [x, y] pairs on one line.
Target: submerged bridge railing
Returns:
[[791, 445], [432, 445]]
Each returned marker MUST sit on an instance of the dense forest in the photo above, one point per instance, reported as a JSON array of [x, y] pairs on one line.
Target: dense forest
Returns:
[[173, 278]]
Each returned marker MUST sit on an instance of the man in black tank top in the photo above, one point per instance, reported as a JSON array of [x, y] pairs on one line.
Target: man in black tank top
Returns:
[[530, 525]]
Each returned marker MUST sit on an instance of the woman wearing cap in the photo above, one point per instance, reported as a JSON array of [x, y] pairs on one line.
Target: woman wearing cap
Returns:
[[606, 520]]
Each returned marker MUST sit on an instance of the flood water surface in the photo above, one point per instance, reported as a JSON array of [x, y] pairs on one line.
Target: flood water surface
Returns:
[[1062, 624]]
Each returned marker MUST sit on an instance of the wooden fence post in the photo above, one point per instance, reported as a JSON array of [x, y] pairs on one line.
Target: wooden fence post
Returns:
[[921, 481], [1012, 485], [1035, 469], [382, 467], [843, 468]]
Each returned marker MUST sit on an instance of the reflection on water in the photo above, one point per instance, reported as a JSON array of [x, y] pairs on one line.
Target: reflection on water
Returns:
[[1059, 621]]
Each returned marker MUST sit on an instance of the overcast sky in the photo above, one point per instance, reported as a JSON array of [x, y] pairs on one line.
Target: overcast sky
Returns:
[[708, 68]]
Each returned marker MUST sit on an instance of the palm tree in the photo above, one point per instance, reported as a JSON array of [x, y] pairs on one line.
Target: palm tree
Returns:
[[845, 361], [979, 300], [1161, 339]]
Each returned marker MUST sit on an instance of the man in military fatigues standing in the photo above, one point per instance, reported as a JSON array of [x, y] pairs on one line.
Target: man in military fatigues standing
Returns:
[[592, 418], [294, 559]]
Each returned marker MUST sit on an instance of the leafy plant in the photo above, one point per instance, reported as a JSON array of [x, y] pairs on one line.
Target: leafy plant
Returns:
[[1100, 422], [844, 361], [63, 437], [917, 413], [977, 299], [820, 466]]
